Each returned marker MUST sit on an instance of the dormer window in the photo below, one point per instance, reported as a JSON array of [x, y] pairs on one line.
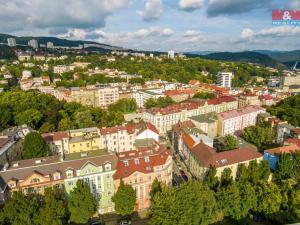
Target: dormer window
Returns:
[[136, 161], [56, 176], [125, 163], [107, 167], [35, 180], [69, 173], [147, 159]]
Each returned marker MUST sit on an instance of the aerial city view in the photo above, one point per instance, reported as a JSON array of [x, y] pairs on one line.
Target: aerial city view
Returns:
[[149, 112]]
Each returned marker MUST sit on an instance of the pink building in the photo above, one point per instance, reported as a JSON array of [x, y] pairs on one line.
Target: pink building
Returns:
[[140, 168], [235, 120]]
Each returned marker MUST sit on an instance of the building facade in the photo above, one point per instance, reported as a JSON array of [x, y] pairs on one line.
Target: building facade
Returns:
[[235, 120], [224, 79]]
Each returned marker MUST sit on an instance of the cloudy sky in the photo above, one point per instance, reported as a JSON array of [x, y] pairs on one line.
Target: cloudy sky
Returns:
[[181, 25]]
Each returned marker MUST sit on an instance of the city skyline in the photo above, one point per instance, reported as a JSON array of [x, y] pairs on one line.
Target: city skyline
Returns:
[[181, 25]]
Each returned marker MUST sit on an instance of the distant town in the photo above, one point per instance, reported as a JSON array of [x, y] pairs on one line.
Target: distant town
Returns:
[[127, 132]]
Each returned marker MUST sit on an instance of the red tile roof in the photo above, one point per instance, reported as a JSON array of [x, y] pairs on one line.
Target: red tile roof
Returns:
[[209, 86], [180, 92], [182, 124], [156, 155], [220, 100], [266, 97], [284, 149], [209, 157], [56, 136], [296, 130], [131, 128], [175, 108], [293, 141]]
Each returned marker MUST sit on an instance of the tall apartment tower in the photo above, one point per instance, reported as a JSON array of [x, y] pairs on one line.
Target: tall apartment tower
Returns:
[[171, 54], [224, 79], [33, 43], [11, 42], [50, 44]]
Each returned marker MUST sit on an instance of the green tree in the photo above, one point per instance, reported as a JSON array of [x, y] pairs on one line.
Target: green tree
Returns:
[[226, 177], [82, 204], [35, 146], [83, 119], [155, 188], [65, 124], [5, 118], [210, 179], [229, 201], [31, 117], [230, 143], [123, 105], [242, 174], [124, 199], [20, 209], [248, 200], [54, 208], [268, 198], [286, 167], [47, 127]]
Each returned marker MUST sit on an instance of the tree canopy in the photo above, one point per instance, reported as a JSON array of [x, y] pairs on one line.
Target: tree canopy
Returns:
[[35, 146]]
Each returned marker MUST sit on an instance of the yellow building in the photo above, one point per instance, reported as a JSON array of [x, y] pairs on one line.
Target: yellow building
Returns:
[[83, 140]]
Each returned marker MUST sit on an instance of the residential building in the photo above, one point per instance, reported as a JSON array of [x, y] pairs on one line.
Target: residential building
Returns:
[[272, 155], [224, 79], [35, 175], [33, 43], [58, 142], [284, 131], [236, 120], [11, 42], [185, 135], [59, 69], [123, 138], [209, 88], [202, 157], [141, 96], [164, 118], [84, 140], [97, 168], [266, 100], [180, 95], [208, 123], [171, 54], [107, 96], [50, 44], [140, 168], [246, 99]]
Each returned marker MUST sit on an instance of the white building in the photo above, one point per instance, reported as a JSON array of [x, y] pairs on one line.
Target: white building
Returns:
[[224, 79], [171, 54], [62, 69], [235, 120], [123, 138], [11, 42], [141, 96], [164, 118], [50, 44], [33, 43], [26, 74]]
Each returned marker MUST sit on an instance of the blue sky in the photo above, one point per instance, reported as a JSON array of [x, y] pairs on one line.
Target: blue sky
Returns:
[[181, 25]]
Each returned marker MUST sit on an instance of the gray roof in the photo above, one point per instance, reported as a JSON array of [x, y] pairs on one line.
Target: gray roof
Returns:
[[205, 118]]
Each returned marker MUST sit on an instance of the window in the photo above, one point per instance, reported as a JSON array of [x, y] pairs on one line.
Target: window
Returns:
[[147, 159], [136, 161], [69, 173], [35, 180], [125, 163], [107, 167]]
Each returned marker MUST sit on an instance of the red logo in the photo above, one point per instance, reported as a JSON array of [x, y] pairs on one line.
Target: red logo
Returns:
[[286, 15]]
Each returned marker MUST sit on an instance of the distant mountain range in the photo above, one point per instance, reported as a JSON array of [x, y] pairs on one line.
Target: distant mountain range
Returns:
[[264, 57]]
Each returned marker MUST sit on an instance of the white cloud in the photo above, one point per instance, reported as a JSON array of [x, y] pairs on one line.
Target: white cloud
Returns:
[[273, 32], [55, 15], [247, 33], [152, 11], [190, 5], [192, 33]]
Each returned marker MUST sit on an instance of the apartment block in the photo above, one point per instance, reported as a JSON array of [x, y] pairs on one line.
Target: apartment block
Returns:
[[164, 118], [140, 168], [235, 120]]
